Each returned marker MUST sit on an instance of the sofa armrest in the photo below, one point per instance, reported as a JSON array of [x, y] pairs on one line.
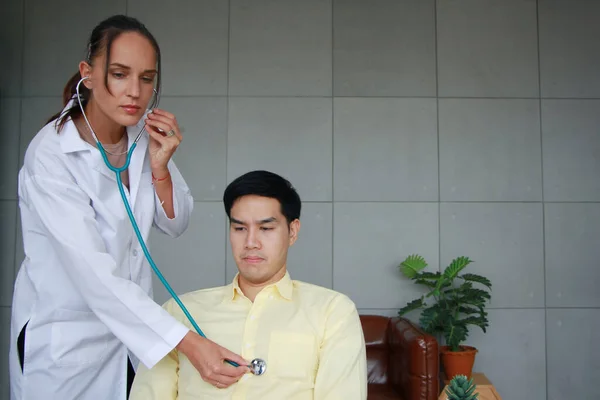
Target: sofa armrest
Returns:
[[414, 361]]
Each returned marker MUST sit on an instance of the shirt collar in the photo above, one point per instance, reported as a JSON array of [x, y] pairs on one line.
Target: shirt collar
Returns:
[[284, 288]]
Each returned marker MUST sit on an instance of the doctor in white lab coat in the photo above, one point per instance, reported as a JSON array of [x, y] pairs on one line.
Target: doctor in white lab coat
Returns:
[[82, 306]]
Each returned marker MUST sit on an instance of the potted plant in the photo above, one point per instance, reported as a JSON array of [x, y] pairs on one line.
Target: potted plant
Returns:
[[450, 306], [461, 388]]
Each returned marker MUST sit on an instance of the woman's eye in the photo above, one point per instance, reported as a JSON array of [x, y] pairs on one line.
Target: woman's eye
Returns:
[[118, 75]]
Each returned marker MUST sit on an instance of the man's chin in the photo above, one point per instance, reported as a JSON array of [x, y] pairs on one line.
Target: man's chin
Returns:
[[253, 274]]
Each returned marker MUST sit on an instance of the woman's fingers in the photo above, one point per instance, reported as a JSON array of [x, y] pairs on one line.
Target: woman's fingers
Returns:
[[163, 113], [171, 123], [159, 125], [156, 135]]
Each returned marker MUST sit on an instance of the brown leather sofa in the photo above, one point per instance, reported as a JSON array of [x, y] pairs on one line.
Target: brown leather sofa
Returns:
[[402, 361]]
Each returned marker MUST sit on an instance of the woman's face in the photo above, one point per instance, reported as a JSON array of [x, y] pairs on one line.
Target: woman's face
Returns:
[[131, 75]]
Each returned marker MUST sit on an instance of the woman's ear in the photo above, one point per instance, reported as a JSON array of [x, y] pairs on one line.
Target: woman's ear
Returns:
[[85, 70]]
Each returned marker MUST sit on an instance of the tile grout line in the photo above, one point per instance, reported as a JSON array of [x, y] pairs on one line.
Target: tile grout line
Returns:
[[227, 97], [437, 116], [23, 31], [166, 96], [332, 142], [19, 139], [370, 202], [537, 16], [507, 308]]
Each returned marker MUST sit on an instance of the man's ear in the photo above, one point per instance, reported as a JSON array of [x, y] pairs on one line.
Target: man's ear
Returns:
[[294, 229], [86, 70]]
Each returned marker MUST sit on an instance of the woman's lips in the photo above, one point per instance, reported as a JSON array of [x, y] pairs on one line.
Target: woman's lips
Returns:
[[131, 109]]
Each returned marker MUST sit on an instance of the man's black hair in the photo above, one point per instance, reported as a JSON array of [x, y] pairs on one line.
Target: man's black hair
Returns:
[[265, 184]]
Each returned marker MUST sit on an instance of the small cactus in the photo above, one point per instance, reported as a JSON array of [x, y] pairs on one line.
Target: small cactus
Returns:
[[461, 388]]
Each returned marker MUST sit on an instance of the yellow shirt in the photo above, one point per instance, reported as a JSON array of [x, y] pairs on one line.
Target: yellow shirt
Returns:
[[310, 337]]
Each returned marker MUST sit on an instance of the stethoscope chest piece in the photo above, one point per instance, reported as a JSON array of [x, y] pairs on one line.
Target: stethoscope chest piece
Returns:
[[258, 366]]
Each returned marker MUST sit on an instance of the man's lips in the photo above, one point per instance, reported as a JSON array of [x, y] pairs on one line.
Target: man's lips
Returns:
[[253, 259]]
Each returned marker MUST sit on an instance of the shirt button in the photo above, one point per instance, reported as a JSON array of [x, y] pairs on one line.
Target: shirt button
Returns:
[[252, 317], [248, 345], [135, 253]]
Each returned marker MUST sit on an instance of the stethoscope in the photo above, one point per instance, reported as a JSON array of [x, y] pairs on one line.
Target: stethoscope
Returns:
[[257, 366]]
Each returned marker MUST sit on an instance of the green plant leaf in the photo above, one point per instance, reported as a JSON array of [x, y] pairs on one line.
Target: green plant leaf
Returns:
[[455, 335], [468, 310], [477, 278], [429, 275], [481, 322], [478, 293], [429, 319], [412, 265], [474, 297], [413, 305], [461, 388], [457, 265], [425, 282], [460, 290]]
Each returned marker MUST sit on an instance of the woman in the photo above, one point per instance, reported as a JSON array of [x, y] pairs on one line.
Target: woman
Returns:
[[81, 298]]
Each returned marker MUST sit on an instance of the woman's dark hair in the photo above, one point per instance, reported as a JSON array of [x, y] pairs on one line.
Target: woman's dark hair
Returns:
[[101, 39], [265, 184]]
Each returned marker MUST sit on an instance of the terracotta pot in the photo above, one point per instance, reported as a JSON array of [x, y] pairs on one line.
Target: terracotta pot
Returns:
[[458, 362]]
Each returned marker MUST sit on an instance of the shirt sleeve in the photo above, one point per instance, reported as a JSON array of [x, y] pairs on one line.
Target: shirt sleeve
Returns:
[[68, 220], [159, 382], [183, 205], [342, 372]]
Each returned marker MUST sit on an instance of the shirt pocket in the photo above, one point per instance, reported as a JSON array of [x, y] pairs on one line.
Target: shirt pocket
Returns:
[[293, 355]]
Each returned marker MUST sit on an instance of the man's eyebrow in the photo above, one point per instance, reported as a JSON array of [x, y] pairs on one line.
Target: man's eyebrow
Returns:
[[127, 67], [261, 222]]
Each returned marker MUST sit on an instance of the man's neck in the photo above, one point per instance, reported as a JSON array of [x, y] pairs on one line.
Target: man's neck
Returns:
[[251, 290]]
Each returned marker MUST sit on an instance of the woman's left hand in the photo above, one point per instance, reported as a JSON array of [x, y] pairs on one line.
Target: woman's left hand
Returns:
[[162, 146]]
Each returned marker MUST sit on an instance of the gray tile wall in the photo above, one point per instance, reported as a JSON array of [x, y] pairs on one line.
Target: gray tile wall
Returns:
[[448, 128]]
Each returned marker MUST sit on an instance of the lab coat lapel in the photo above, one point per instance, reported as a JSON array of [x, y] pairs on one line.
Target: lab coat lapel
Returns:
[[71, 142], [136, 164], [97, 162]]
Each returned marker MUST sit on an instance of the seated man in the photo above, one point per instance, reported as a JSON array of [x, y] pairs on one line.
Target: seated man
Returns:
[[310, 337]]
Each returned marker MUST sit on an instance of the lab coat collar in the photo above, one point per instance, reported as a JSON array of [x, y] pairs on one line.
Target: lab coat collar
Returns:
[[71, 141], [284, 287]]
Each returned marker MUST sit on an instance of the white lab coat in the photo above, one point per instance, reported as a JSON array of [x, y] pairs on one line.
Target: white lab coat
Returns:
[[84, 285]]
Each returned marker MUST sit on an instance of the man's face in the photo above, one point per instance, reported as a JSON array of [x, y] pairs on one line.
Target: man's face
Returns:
[[260, 238]]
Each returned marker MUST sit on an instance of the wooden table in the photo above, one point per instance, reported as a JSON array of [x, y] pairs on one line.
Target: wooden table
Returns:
[[484, 387]]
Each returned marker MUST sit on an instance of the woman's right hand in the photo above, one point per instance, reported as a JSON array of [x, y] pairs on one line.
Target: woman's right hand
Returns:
[[209, 359]]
